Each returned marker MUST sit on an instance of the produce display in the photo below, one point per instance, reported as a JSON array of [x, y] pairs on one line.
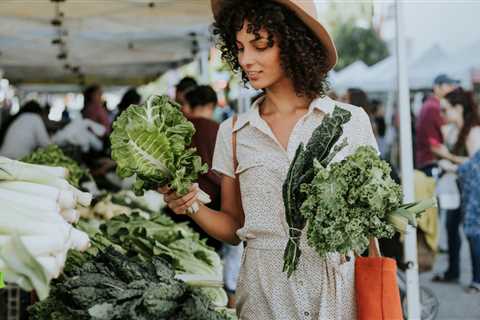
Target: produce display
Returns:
[[54, 156], [152, 141], [38, 205], [135, 269], [109, 205], [136, 262], [112, 286], [193, 261]]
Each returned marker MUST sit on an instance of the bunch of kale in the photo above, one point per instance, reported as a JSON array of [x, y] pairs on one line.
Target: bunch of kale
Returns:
[[321, 148]]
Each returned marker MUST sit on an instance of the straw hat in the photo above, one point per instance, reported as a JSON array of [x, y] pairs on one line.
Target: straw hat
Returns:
[[306, 11]]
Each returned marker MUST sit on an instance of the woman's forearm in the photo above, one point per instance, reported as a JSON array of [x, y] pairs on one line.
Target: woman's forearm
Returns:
[[218, 224]]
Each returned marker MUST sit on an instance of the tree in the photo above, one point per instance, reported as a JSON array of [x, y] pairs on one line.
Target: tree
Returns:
[[356, 43]]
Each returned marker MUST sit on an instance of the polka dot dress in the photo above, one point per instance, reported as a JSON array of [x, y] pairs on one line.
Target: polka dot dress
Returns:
[[320, 288]]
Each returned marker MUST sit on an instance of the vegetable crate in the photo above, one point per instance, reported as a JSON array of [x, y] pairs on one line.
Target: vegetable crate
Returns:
[[13, 303]]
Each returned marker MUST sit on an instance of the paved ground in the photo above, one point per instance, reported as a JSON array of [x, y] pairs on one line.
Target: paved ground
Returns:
[[455, 304]]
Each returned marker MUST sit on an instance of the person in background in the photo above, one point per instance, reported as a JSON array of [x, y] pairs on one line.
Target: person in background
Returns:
[[181, 89], [429, 145], [357, 97], [459, 109], [24, 132], [380, 126], [93, 107], [130, 97]]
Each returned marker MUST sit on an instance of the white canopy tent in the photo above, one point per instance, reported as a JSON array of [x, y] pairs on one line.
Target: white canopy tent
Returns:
[[465, 61], [121, 42], [348, 74]]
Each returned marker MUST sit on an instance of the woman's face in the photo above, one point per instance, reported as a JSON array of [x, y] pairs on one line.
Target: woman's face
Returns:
[[97, 97], [260, 62], [452, 114]]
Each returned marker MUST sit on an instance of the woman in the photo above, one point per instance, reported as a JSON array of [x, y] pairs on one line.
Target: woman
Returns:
[[93, 107], [460, 109], [24, 132], [130, 97], [280, 48]]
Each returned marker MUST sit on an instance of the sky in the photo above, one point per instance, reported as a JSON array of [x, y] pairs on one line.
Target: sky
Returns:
[[452, 24]]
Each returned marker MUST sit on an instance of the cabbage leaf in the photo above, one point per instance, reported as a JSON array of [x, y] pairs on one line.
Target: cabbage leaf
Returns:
[[152, 141]]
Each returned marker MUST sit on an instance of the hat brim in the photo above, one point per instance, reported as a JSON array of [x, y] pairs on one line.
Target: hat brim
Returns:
[[310, 21]]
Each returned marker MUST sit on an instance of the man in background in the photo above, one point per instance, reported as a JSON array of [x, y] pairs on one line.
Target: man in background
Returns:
[[182, 87], [430, 145]]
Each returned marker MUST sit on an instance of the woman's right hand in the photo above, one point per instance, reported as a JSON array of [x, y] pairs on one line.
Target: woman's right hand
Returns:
[[179, 204]]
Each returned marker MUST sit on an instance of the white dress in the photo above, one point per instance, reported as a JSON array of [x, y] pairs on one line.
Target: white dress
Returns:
[[320, 288]]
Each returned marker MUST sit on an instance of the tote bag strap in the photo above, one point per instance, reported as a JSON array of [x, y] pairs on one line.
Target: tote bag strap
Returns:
[[373, 248]]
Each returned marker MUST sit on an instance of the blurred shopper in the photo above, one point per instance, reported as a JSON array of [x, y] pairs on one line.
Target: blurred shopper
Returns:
[[380, 126], [459, 109], [429, 146], [357, 97], [93, 107], [186, 84], [130, 97], [24, 132]]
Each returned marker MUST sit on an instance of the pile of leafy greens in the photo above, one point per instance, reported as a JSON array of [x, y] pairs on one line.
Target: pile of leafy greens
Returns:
[[54, 156], [152, 141], [111, 286], [321, 148], [159, 235]]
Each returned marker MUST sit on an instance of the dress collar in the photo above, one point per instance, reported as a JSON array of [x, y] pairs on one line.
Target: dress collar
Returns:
[[252, 116]]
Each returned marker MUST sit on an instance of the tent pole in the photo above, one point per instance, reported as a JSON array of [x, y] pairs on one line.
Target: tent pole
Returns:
[[410, 243], [203, 64]]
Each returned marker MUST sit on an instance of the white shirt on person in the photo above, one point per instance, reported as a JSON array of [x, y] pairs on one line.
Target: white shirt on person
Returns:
[[25, 134]]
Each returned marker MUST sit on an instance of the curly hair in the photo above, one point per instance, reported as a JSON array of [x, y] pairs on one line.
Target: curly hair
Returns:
[[303, 57]]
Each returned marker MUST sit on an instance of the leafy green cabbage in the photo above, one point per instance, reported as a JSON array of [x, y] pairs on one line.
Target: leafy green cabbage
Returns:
[[152, 141]]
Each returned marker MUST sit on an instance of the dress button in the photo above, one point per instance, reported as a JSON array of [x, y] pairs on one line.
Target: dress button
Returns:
[[306, 313]]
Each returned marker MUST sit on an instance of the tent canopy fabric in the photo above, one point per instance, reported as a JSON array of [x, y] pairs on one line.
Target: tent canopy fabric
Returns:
[[116, 42], [347, 74]]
